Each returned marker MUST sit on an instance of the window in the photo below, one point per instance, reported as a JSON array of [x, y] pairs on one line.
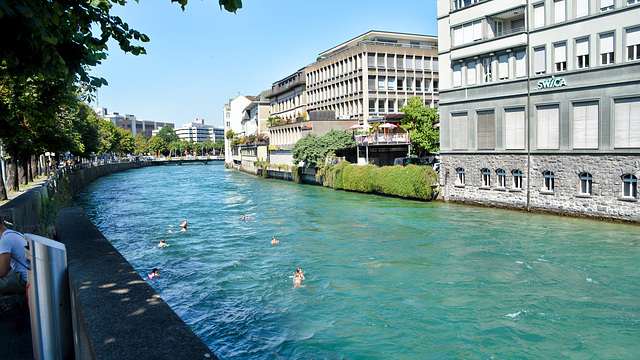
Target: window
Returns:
[[436, 84], [457, 75], [400, 83], [391, 83], [391, 61], [486, 130], [381, 80], [548, 119], [467, 33], [538, 15], [560, 57], [548, 181], [585, 125], [559, 11], [486, 177], [606, 5], [436, 66], [400, 61], [409, 84], [372, 82], [372, 106], [586, 182], [514, 129], [521, 65], [381, 104], [498, 28], [582, 53], [418, 84], [391, 105], [459, 131], [418, 62], [501, 177], [627, 123], [606, 49], [503, 67], [633, 44], [371, 60], [486, 70], [582, 8], [629, 186], [539, 61], [409, 62], [380, 60], [517, 179], [427, 63], [460, 179], [471, 73]]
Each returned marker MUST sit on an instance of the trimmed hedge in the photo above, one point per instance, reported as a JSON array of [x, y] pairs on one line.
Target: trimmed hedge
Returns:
[[409, 181]]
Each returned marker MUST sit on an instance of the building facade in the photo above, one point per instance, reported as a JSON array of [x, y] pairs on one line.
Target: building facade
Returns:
[[288, 96], [232, 115], [540, 104], [373, 75], [254, 120], [197, 131], [129, 122]]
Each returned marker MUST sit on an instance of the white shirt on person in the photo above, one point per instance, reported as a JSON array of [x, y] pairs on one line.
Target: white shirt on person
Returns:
[[13, 242]]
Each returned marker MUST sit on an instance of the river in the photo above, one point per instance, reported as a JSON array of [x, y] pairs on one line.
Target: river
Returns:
[[386, 278]]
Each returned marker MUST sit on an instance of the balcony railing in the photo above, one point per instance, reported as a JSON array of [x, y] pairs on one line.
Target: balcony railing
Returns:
[[378, 138]]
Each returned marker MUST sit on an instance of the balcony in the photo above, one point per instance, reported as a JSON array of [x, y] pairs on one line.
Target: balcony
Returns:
[[378, 138]]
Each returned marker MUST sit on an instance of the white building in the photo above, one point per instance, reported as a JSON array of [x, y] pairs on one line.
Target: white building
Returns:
[[197, 131], [129, 122], [254, 120], [232, 115], [539, 104]]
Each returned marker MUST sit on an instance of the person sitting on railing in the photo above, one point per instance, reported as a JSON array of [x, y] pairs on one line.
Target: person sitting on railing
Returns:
[[13, 271]]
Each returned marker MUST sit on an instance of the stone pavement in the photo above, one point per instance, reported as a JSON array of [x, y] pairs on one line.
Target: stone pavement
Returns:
[[15, 324]]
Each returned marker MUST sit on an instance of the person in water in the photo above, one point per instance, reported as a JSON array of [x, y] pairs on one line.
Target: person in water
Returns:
[[162, 243], [245, 217], [297, 278], [153, 274], [184, 227], [274, 241]]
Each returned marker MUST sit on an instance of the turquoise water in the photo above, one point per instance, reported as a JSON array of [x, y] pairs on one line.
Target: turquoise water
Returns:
[[386, 278]]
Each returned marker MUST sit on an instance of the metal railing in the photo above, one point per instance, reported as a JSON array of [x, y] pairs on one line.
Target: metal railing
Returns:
[[378, 138]]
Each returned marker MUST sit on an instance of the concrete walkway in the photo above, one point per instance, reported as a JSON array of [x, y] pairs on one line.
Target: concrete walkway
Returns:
[[15, 324]]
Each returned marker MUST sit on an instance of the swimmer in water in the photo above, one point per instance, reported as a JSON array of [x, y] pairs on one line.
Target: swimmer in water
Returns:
[[274, 241], [153, 274], [184, 227], [297, 278], [245, 217], [162, 243]]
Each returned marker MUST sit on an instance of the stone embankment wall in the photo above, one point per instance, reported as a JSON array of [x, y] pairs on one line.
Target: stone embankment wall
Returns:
[[604, 202], [116, 314]]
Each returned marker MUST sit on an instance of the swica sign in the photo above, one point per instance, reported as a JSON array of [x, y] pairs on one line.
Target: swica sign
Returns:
[[551, 83]]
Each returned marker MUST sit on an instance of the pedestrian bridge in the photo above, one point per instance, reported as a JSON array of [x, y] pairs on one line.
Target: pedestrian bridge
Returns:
[[179, 160]]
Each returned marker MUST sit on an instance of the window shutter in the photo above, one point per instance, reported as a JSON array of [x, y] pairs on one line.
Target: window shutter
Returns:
[[539, 60], [521, 66], [503, 66], [606, 43], [457, 76], [471, 73], [627, 123], [468, 33], [582, 47], [459, 132], [560, 53], [486, 130], [514, 119], [548, 127], [633, 36], [477, 30], [606, 3], [582, 8], [559, 10], [538, 15], [585, 125]]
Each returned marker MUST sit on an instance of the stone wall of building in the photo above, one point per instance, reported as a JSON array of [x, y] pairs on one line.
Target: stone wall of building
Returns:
[[605, 201]]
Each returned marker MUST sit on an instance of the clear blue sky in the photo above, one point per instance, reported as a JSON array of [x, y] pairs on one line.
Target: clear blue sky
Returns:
[[200, 58]]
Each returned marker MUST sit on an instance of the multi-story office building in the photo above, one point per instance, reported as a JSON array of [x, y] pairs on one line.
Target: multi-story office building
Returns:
[[197, 131], [129, 122], [539, 104], [368, 79], [373, 75]]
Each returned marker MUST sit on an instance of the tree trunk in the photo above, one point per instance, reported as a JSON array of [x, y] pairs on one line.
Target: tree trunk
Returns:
[[23, 170], [30, 172], [12, 174], [3, 191]]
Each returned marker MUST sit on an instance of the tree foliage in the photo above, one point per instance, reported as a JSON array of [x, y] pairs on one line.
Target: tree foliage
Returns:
[[140, 144], [420, 121], [157, 145], [167, 134], [312, 149]]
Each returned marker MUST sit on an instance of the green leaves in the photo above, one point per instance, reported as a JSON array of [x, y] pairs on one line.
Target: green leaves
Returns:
[[420, 121], [312, 149], [230, 5]]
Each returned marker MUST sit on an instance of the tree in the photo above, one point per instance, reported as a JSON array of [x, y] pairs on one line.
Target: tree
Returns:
[[157, 145], [420, 121], [219, 145], [312, 150], [168, 135], [140, 144]]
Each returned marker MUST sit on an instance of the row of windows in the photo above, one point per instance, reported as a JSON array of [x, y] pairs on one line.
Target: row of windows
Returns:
[[558, 10], [390, 105], [288, 103], [584, 181], [585, 125], [513, 65], [396, 61], [376, 106], [393, 83], [336, 69], [343, 88]]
